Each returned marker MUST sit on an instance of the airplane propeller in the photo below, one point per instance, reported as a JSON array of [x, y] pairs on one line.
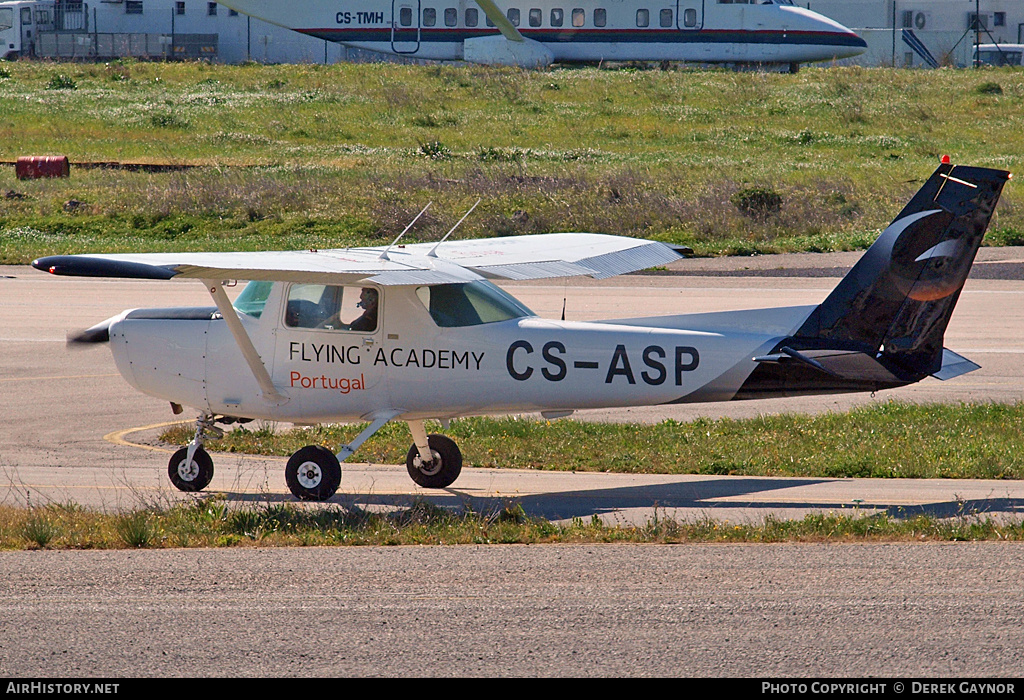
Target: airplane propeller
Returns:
[[100, 333]]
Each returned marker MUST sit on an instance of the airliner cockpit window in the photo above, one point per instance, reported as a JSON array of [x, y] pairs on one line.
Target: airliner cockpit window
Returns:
[[470, 304]]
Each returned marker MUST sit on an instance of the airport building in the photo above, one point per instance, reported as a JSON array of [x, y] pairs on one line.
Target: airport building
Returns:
[[925, 33]]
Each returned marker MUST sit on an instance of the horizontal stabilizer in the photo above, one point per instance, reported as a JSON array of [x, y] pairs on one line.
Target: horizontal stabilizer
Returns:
[[954, 365]]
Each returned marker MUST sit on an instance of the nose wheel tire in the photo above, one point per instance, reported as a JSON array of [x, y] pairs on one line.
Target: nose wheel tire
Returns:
[[191, 477], [313, 473], [442, 470]]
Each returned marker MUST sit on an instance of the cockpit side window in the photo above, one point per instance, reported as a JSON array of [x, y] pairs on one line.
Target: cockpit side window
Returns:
[[470, 304], [332, 307]]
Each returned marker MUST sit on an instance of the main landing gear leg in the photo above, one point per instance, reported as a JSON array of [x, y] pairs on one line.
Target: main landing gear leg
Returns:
[[314, 472], [191, 468], [434, 461]]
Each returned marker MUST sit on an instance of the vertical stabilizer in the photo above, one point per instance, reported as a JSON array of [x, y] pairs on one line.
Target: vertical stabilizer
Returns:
[[897, 300], [883, 324]]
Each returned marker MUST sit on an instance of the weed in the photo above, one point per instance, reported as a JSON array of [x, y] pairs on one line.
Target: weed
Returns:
[[167, 120], [757, 202], [62, 82], [491, 154], [435, 120], [39, 528], [435, 150], [989, 88], [136, 529]]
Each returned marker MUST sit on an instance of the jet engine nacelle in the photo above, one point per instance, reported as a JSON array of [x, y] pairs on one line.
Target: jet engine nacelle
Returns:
[[497, 50]]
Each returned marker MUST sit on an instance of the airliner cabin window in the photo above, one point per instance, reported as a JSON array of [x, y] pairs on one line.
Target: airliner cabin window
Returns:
[[535, 17], [472, 16], [665, 19], [579, 17], [429, 16], [690, 18], [643, 18], [451, 17], [405, 16], [600, 17], [513, 16], [557, 17]]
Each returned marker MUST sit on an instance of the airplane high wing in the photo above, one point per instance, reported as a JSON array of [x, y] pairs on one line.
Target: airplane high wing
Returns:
[[546, 255], [419, 332]]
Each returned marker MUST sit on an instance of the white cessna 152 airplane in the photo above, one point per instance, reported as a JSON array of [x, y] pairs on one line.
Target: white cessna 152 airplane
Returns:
[[541, 32], [419, 332]]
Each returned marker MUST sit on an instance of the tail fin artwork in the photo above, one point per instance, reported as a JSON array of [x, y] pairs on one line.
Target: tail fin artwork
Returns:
[[883, 325]]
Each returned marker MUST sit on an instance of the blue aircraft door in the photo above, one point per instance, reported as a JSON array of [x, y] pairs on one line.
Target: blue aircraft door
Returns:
[[690, 15], [405, 26]]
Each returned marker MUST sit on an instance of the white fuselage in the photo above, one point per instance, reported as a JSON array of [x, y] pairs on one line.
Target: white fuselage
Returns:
[[579, 31], [413, 365]]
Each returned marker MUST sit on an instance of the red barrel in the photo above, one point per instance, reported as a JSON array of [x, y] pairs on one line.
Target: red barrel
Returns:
[[32, 167]]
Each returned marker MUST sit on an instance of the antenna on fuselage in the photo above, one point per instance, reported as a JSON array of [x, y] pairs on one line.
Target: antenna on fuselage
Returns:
[[433, 251], [384, 255]]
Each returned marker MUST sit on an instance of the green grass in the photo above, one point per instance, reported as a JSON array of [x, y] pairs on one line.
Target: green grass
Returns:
[[210, 522], [318, 156], [889, 440]]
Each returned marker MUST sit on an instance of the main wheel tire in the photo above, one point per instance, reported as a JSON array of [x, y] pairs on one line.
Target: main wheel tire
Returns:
[[443, 470], [190, 477], [313, 473]]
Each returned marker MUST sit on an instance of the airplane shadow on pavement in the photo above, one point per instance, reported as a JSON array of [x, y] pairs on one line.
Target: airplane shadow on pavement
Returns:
[[701, 498]]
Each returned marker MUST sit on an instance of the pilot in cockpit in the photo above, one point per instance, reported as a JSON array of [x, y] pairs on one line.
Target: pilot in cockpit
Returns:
[[368, 298]]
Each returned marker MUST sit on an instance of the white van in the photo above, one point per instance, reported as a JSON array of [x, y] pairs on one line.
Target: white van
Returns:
[[998, 54], [20, 24]]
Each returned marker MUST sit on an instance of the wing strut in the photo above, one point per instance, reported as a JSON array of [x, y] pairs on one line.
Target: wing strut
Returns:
[[252, 358]]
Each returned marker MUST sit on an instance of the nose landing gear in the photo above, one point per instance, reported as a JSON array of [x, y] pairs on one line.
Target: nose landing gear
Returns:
[[191, 468]]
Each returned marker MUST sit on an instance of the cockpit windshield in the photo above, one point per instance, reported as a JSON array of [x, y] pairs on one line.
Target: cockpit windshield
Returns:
[[253, 298], [470, 304]]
